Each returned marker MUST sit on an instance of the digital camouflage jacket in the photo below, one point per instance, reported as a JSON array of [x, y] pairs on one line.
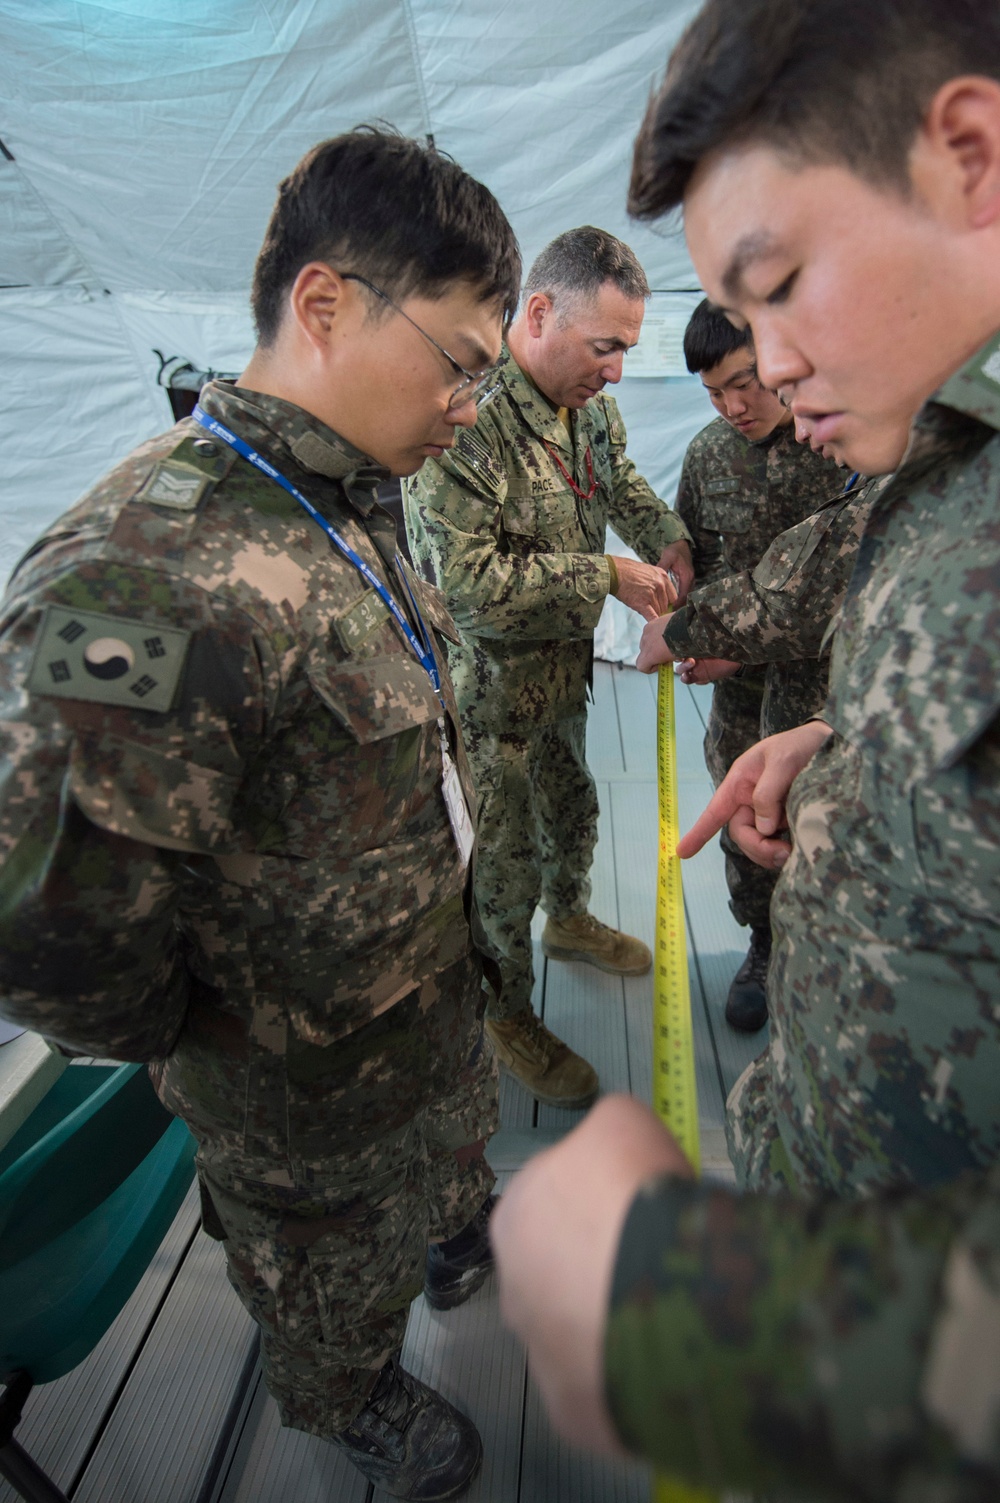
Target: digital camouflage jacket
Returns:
[[519, 557], [222, 762], [884, 988], [836, 1350], [781, 613]]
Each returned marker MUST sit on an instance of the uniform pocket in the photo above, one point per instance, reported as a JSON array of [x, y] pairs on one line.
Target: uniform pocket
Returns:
[[546, 515], [781, 563], [727, 513], [377, 697]]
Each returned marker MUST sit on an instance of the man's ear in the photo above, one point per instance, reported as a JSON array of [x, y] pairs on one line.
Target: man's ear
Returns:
[[958, 151], [537, 310], [317, 298]]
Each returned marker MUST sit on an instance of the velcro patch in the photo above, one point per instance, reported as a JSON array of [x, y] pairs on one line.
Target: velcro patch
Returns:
[[107, 660], [722, 486], [175, 484], [356, 625]]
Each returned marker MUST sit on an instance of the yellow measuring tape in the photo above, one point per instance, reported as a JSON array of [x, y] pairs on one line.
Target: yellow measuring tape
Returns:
[[675, 1094]]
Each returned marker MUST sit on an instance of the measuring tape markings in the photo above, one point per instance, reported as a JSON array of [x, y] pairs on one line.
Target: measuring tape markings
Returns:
[[675, 1092], [675, 1095]]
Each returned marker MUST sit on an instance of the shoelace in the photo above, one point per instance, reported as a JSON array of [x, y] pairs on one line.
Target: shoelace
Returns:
[[760, 955], [538, 1035], [392, 1395]]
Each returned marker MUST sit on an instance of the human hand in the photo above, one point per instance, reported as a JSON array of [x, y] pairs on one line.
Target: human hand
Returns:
[[706, 670], [751, 798], [644, 587], [677, 558], [555, 1232], [653, 650]]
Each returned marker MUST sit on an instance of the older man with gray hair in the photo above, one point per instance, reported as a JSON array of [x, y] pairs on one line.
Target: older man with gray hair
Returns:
[[510, 524]]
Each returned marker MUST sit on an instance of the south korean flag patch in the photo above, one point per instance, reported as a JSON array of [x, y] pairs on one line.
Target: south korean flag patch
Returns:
[[108, 660]]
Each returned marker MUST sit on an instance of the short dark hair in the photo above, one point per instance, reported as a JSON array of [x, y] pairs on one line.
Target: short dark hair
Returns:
[[578, 262], [710, 337], [846, 81], [398, 212]]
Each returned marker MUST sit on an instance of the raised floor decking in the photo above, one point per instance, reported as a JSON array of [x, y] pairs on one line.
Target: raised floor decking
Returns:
[[170, 1407]]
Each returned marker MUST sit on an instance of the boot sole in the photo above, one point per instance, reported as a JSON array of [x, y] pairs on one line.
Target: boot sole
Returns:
[[450, 1299], [571, 1104], [751, 1026], [553, 953]]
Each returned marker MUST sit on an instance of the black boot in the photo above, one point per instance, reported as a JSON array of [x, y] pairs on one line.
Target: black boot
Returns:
[[410, 1441], [456, 1268], [746, 1005]]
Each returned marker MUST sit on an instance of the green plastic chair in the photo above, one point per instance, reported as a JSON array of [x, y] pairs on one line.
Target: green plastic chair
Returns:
[[88, 1188]]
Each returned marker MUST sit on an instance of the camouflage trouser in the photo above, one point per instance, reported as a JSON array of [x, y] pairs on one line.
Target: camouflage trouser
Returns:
[[733, 726], [795, 691], [537, 827], [326, 1170], [755, 1145]]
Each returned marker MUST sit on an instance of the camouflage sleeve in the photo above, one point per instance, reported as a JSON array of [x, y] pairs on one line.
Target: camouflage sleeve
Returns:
[[781, 611], [105, 810], [453, 509], [844, 1349], [706, 544], [637, 514]]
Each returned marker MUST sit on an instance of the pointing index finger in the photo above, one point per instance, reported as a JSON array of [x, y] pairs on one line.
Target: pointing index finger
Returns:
[[717, 813]]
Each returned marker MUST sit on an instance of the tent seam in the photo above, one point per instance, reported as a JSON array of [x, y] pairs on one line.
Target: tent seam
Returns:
[[418, 72], [83, 260]]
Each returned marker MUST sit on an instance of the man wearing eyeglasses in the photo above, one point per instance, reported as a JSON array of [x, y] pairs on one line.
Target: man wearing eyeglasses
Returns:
[[235, 830], [511, 525]]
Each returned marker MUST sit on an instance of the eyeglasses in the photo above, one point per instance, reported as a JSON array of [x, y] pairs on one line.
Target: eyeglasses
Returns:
[[472, 388]]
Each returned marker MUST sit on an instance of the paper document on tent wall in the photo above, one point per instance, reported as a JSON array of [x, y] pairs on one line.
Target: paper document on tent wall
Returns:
[[660, 351]]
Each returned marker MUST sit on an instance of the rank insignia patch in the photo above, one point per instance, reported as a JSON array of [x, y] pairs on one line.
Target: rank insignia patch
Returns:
[[176, 485], [107, 659]]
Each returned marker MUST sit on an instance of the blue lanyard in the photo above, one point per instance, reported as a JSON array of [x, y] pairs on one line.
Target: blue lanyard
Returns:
[[422, 649], [852, 482]]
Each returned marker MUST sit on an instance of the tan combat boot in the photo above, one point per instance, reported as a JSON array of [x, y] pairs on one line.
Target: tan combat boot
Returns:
[[543, 1064], [583, 937]]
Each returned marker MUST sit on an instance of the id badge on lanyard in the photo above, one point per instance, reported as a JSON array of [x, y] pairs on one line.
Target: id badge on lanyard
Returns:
[[451, 784], [454, 800]]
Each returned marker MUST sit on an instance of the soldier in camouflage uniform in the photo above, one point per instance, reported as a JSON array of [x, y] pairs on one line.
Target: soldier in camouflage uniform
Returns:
[[883, 987], [899, 812], [511, 526], [839, 180], [231, 820], [744, 481], [807, 1349]]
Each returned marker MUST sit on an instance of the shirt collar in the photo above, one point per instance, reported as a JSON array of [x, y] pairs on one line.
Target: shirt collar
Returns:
[[286, 432], [783, 434], [538, 412], [975, 388]]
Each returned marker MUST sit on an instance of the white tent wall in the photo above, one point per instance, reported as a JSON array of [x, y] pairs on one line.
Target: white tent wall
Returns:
[[143, 144]]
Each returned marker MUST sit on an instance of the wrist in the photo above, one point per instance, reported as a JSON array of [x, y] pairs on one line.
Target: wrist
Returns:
[[677, 633], [613, 572]]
